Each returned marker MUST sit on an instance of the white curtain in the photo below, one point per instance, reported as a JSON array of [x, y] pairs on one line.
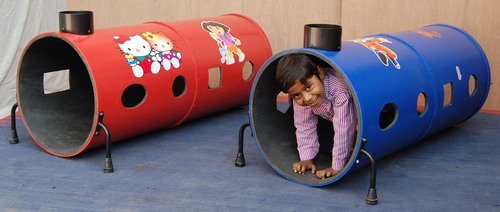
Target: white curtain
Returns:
[[20, 21]]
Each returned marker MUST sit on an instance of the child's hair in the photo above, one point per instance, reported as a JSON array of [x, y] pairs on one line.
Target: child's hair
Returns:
[[294, 67]]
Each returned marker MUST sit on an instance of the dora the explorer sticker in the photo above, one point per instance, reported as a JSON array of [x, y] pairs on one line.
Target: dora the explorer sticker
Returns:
[[228, 44]]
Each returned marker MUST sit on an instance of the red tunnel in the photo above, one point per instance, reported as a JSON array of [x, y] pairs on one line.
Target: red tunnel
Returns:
[[142, 78]]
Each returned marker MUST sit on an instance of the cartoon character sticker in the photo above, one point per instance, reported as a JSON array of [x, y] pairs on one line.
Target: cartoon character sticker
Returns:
[[226, 42], [383, 53], [148, 52], [162, 49], [459, 75], [427, 34]]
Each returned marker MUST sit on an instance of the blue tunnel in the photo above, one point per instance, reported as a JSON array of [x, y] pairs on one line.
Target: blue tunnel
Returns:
[[405, 85]]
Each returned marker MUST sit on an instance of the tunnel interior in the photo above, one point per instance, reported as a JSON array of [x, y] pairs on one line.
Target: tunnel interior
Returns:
[[60, 118], [274, 129]]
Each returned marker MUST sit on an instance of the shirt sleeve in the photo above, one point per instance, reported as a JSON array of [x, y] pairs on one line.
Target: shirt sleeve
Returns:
[[344, 126], [307, 137]]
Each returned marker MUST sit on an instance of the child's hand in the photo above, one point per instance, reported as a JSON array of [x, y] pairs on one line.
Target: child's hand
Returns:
[[301, 166], [325, 173]]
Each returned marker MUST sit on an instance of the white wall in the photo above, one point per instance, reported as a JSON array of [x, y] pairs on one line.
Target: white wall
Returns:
[[20, 21]]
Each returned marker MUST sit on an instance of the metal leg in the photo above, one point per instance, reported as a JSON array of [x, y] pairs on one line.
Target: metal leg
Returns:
[[108, 162], [240, 158], [371, 198], [13, 139]]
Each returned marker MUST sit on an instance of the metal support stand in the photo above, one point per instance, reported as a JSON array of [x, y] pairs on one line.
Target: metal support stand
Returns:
[[240, 157], [13, 139], [108, 162], [371, 198]]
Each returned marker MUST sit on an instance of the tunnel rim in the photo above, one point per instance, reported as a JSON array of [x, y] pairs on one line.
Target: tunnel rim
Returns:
[[85, 142], [357, 143]]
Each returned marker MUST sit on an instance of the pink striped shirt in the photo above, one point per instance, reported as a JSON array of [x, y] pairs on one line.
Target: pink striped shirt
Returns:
[[337, 107]]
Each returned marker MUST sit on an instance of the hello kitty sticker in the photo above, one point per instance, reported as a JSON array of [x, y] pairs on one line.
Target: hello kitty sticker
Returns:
[[149, 52], [228, 45]]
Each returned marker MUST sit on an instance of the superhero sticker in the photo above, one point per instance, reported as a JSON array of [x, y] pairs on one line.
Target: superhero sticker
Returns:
[[427, 34], [226, 42], [383, 53], [149, 52]]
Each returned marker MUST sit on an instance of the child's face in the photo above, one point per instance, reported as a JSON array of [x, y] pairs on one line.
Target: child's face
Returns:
[[310, 94]]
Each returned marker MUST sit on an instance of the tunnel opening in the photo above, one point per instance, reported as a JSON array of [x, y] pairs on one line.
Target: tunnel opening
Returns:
[[274, 129], [62, 121]]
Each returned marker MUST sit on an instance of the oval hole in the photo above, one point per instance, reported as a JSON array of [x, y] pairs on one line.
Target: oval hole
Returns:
[[422, 104], [472, 85], [388, 116], [179, 86], [133, 95]]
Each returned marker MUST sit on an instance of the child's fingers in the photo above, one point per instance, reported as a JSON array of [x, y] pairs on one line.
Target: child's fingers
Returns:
[[298, 168], [313, 169], [320, 175], [323, 174], [303, 170]]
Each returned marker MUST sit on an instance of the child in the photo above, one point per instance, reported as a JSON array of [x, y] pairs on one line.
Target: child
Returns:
[[318, 91]]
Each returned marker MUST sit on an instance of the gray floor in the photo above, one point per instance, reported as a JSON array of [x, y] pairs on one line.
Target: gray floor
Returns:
[[191, 168]]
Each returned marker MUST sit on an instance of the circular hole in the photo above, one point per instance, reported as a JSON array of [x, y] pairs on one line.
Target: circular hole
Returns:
[[179, 86], [133, 95], [472, 85], [422, 104], [388, 116]]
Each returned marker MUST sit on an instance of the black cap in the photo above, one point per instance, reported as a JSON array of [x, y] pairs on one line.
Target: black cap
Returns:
[[323, 36], [76, 22]]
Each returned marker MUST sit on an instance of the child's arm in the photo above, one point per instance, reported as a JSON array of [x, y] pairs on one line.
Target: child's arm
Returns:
[[344, 124], [307, 137]]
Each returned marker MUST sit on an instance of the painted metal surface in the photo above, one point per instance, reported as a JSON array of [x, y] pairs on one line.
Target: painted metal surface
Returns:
[[386, 72], [143, 77]]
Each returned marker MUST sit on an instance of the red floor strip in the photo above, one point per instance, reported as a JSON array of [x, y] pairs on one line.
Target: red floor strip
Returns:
[[490, 111]]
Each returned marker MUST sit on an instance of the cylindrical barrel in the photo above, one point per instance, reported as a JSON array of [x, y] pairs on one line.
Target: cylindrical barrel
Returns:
[[142, 78], [405, 86]]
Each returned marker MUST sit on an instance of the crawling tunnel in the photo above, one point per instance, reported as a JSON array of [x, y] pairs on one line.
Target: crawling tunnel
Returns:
[[405, 85], [133, 79]]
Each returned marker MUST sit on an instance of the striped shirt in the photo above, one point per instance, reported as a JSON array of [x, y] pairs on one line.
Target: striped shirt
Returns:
[[337, 107]]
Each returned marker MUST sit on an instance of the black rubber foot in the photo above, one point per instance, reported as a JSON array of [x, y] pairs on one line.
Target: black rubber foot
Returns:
[[13, 137], [372, 199], [240, 160], [108, 166]]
